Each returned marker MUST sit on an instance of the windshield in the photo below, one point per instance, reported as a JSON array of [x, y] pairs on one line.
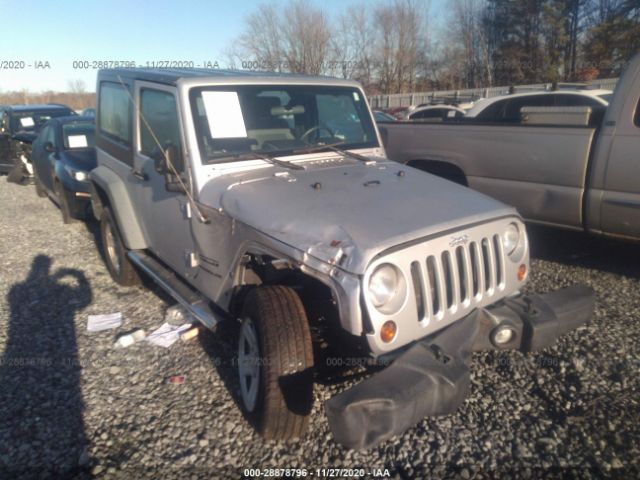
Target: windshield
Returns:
[[78, 135], [278, 120], [31, 121], [383, 117]]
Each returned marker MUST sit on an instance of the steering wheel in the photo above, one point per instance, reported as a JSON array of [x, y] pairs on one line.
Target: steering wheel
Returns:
[[317, 128]]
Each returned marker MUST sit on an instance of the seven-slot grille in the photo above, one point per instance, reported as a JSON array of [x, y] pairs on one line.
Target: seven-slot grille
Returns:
[[458, 277]]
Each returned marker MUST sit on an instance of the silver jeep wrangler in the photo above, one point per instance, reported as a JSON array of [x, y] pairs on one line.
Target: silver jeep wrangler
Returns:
[[259, 197]]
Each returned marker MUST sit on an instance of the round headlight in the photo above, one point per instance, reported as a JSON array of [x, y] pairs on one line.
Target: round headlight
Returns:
[[80, 176], [511, 238], [387, 288]]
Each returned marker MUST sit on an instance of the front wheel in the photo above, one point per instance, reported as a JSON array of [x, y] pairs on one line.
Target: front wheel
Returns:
[[275, 362], [120, 267], [63, 203], [40, 190]]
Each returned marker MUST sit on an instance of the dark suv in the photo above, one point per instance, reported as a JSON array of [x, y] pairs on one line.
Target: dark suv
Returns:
[[19, 126]]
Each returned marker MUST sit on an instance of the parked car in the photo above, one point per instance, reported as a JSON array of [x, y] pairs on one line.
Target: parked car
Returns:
[[63, 155], [506, 108], [229, 190], [435, 113], [19, 126], [582, 176], [380, 116], [89, 112], [397, 112]]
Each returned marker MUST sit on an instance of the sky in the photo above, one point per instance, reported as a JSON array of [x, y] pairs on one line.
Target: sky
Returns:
[[56, 42]]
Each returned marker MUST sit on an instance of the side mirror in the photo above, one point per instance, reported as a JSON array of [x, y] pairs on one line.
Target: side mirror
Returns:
[[172, 158], [48, 147]]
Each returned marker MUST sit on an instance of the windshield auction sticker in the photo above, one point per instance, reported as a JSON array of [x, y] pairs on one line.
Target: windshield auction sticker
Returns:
[[224, 114]]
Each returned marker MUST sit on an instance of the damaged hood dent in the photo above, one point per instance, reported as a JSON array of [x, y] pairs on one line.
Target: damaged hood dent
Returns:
[[347, 215]]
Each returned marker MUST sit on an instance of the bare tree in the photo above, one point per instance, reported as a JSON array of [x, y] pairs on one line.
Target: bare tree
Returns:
[[401, 37], [469, 36], [261, 41], [351, 45], [306, 37], [77, 86], [297, 40]]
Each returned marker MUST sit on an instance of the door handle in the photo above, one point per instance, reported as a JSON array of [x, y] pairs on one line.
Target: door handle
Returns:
[[139, 175]]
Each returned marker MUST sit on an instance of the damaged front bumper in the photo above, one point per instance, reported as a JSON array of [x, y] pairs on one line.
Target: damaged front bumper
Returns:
[[432, 376]]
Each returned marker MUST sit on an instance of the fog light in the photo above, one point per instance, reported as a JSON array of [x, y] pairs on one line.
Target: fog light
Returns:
[[388, 331], [522, 272], [503, 335]]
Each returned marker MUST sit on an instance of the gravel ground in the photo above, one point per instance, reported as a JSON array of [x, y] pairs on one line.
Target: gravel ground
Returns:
[[73, 406]]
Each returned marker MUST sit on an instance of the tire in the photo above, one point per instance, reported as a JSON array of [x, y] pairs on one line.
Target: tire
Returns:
[[63, 203], [120, 267], [284, 362], [40, 190]]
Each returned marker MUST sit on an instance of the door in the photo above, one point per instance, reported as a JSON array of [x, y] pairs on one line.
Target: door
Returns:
[[43, 161], [620, 214], [5, 140], [166, 214]]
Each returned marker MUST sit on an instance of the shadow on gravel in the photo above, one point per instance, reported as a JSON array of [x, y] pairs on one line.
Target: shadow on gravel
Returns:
[[93, 228], [41, 427], [220, 346], [583, 250]]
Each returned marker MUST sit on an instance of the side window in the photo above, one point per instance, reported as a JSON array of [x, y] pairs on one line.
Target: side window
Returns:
[[49, 135], [114, 120], [512, 112], [576, 101], [432, 113], [159, 126], [637, 119]]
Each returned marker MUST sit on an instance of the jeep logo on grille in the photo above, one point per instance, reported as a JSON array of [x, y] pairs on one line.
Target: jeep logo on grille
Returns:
[[458, 240]]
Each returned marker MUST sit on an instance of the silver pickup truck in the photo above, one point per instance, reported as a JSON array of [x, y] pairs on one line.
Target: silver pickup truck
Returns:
[[583, 177], [258, 198]]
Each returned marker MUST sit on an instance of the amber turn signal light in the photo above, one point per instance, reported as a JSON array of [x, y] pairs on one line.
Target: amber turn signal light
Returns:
[[388, 331], [522, 272]]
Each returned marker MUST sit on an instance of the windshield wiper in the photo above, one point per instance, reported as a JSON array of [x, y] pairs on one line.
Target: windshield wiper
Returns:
[[266, 158], [334, 148]]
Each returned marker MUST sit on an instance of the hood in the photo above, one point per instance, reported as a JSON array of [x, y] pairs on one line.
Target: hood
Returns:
[[81, 159], [350, 213], [25, 137]]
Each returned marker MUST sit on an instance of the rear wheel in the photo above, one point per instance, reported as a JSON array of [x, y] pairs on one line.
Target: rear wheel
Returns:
[[120, 267], [275, 362]]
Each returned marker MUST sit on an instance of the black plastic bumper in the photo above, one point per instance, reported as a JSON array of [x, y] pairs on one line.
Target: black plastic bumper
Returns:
[[432, 376]]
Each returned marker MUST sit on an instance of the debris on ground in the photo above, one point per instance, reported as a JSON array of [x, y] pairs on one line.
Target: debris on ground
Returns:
[[189, 334], [98, 323], [129, 339], [175, 379], [167, 334], [177, 315]]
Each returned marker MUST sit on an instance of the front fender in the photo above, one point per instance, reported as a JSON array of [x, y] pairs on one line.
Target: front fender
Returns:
[[108, 187], [67, 181]]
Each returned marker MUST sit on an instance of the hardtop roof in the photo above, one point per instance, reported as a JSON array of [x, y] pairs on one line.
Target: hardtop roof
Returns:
[[35, 106], [171, 76]]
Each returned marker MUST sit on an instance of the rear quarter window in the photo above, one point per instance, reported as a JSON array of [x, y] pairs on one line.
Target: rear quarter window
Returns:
[[493, 112], [114, 118]]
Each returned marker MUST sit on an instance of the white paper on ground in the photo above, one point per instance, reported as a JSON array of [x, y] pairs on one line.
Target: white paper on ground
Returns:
[[77, 141], [27, 122], [97, 323], [224, 114], [167, 335]]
